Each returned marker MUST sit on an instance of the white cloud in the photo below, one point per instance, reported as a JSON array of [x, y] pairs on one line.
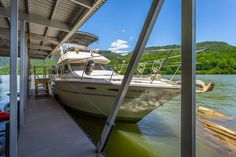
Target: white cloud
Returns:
[[120, 52], [123, 30], [131, 38], [119, 46]]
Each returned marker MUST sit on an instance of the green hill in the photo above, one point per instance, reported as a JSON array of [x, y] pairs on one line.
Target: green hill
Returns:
[[5, 61], [213, 57]]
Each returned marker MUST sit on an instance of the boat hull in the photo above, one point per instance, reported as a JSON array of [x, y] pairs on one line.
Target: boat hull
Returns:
[[98, 99]]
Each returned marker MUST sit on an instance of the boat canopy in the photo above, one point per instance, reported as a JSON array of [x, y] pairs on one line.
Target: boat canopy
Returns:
[[82, 57], [83, 38]]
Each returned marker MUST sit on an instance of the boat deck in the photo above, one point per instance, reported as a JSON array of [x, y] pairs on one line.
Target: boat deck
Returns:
[[50, 132]]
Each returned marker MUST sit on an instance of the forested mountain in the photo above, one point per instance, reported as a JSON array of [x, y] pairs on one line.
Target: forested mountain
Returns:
[[213, 57]]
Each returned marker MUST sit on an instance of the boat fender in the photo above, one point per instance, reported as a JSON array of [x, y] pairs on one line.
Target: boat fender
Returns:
[[89, 67], [207, 88]]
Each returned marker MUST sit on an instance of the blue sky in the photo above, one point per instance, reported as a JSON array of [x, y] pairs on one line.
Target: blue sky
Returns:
[[119, 22]]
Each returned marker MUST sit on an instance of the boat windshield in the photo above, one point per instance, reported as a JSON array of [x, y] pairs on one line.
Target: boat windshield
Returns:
[[97, 66]]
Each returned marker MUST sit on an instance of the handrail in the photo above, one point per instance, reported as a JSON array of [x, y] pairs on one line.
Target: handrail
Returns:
[[153, 62], [164, 61], [113, 71], [123, 63], [84, 68], [144, 65], [175, 73]]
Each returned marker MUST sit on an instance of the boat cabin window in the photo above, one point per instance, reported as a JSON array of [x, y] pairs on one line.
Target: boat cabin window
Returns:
[[59, 69], [97, 66], [63, 69], [66, 69], [77, 67]]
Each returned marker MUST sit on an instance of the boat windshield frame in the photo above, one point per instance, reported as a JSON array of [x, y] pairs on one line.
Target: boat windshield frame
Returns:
[[97, 66]]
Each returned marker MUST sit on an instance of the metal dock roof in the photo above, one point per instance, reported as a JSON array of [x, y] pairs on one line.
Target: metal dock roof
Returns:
[[50, 23]]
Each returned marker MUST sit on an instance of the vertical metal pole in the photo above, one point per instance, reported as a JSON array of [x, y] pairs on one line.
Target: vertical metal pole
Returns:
[[26, 72], [142, 41], [22, 72], [188, 114], [13, 78]]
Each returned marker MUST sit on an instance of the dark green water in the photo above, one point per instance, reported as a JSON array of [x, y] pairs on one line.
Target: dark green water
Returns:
[[158, 134]]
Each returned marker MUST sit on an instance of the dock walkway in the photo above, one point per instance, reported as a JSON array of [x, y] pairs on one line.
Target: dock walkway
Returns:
[[50, 132]]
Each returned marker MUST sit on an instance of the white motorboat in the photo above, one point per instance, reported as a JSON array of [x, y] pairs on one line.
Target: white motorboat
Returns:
[[84, 81]]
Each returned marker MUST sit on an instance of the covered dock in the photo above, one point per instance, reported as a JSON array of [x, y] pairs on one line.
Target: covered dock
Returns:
[[37, 29]]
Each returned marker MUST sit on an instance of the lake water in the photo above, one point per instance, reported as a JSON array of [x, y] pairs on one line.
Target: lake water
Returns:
[[158, 134]]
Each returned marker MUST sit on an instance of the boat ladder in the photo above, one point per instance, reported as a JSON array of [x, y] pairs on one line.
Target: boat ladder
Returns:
[[41, 81]]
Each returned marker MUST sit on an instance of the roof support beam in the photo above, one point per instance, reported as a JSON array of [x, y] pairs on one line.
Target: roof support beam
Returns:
[[40, 37], [5, 52], [37, 20], [2, 2], [140, 45], [36, 52], [5, 33], [188, 79], [29, 26], [51, 18], [79, 23], [51, 40], [84, 3], [37, 57], [40, 47], [33, 55], [4, 42]]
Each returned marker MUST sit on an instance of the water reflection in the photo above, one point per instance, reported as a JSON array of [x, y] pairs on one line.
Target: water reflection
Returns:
[[124, 138], [158, 134]]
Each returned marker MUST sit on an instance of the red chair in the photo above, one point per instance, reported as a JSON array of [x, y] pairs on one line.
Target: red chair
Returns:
[[4, 117]]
